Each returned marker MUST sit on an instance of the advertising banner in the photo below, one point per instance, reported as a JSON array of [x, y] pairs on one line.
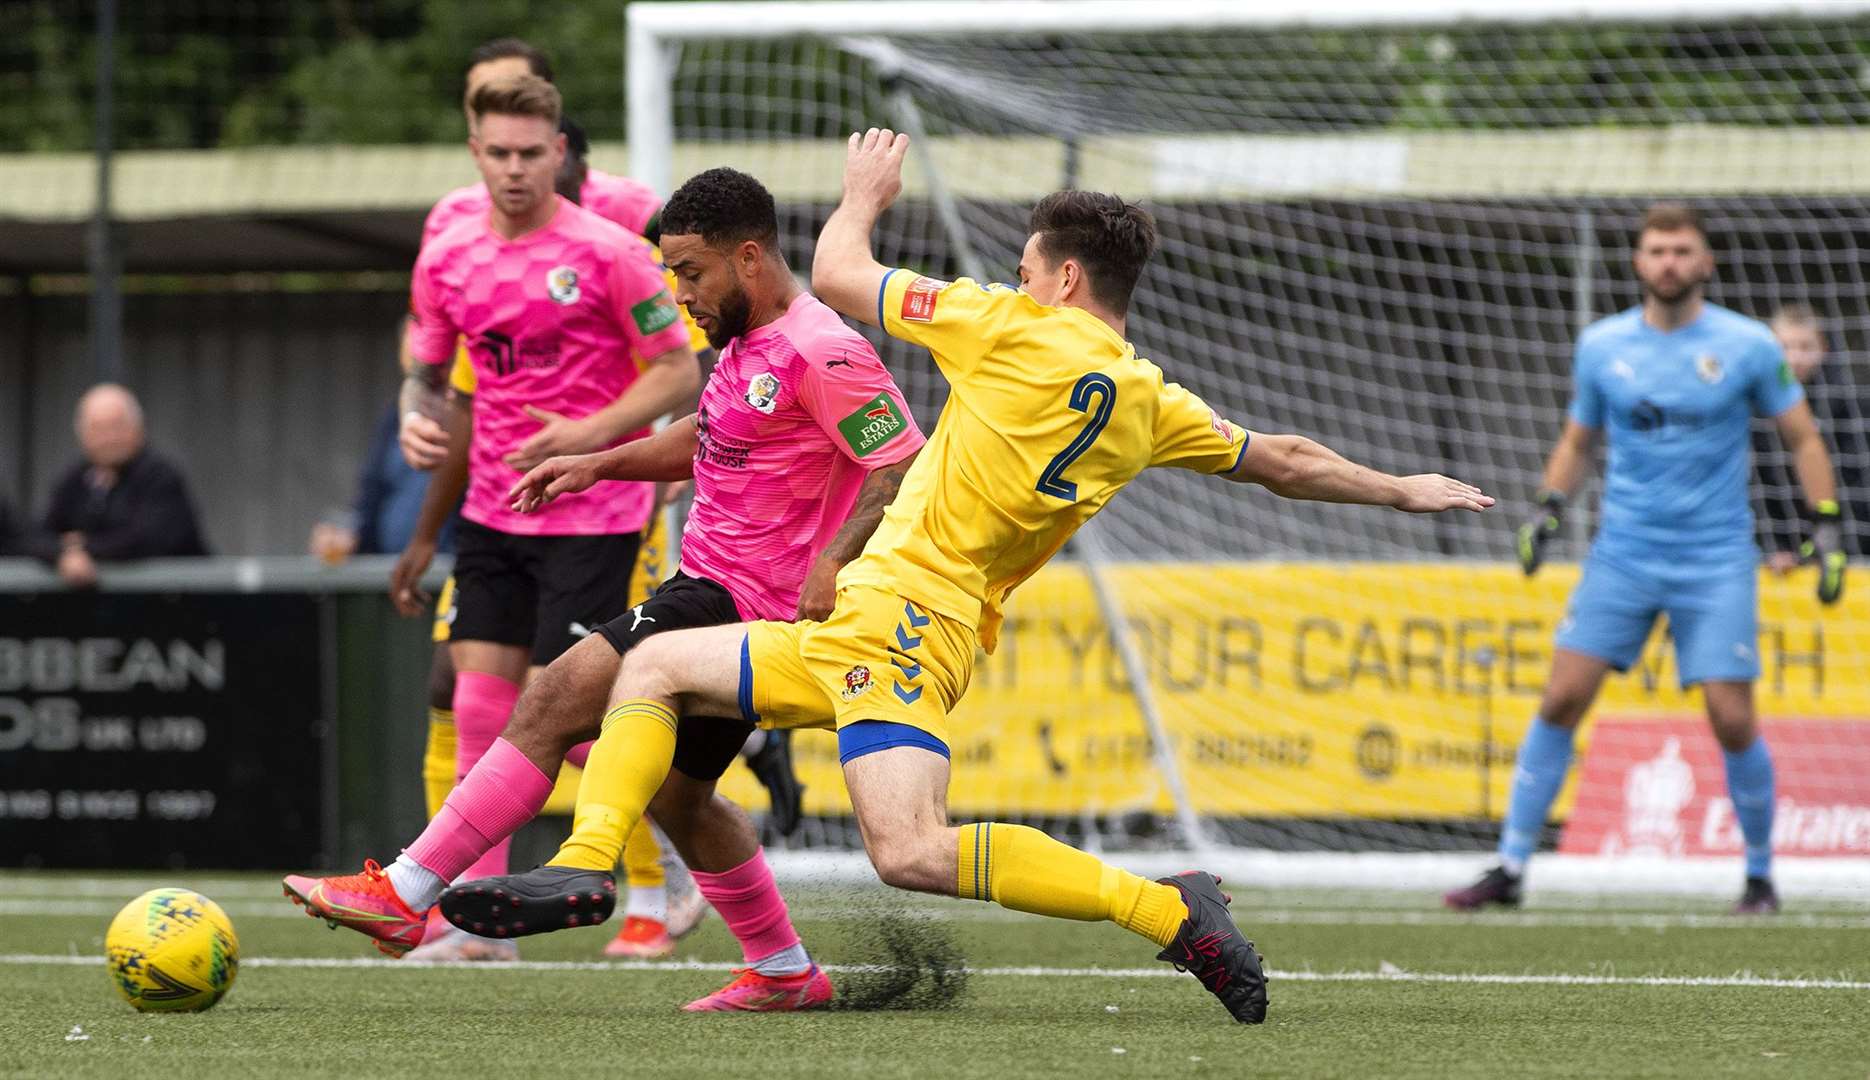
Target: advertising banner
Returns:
[[156, 731]]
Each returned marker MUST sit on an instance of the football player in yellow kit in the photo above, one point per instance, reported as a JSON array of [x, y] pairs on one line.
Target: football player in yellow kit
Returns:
[[1050, 412]]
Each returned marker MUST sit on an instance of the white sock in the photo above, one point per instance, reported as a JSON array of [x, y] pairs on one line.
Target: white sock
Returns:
[[648, 902], [1513, 867], [788, 961], [419, 886]]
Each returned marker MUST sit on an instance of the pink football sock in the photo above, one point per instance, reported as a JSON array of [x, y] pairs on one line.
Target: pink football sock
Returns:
[[503, 792], [749, 902], [483, 704], [580, 753]]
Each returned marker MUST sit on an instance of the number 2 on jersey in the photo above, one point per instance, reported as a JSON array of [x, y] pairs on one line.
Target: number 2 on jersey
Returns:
[[1098, 386]]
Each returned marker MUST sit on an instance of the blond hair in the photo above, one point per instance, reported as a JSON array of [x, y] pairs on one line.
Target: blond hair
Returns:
[[521, 95]]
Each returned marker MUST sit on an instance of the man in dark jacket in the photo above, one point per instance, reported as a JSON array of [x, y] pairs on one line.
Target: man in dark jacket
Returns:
[[123, 501]]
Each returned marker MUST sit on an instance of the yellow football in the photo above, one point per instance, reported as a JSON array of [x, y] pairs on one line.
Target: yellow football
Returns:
[[172, 950]]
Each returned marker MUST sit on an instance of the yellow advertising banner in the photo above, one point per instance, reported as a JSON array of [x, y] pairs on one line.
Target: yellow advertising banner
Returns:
[[1377, 690]]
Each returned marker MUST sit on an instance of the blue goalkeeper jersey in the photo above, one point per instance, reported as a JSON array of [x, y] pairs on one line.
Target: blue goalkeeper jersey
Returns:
[[1676, 409]]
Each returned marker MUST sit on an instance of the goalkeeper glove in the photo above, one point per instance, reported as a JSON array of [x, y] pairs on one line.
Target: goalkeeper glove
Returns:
[[1540, 529], [1826, 548]]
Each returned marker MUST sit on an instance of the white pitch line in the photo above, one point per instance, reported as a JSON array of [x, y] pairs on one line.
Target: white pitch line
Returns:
[[1247, 915], [1479, 978]]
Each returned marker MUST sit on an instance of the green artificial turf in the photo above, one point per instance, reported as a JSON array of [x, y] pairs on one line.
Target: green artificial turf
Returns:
[[1349, 1006]]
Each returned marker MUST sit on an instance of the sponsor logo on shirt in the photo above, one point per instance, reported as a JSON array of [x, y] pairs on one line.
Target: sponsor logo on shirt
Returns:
[[507, 357], [1708, 367], [919, 299], [561, 284], [856, 681], [1221, 427], [714, 449], [873, 425], [655, 314], [763, 392], [1786, 378], [1621, 369]]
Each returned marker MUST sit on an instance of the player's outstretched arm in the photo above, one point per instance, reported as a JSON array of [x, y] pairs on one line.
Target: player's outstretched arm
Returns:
[[1564, 470], [845, 272], [1295, 467], [665, 382], [1812, 462], [667, 455]]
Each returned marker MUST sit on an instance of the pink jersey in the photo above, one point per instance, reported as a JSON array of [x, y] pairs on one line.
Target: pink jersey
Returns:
[[618, 198], [793, 417], [553, 320]]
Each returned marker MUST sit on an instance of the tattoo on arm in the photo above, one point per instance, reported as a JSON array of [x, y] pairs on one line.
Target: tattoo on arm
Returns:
[[425, 390], [878, 492]]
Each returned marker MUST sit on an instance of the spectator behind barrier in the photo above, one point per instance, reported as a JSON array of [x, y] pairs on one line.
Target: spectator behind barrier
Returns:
[[1840, 408], [123, 501], [389, 500]]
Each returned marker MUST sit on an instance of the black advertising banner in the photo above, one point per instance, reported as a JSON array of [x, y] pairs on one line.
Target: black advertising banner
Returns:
[[161, 731]]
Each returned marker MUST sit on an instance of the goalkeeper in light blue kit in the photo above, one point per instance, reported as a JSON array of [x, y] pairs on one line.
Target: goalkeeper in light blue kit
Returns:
[[1673, 386]]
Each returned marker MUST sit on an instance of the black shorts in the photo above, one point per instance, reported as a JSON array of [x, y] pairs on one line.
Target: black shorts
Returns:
[[538, 592], [704, 746]]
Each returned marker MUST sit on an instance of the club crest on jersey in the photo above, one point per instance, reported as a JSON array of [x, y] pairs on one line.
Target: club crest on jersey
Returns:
[[919, 299], [763, 392], [1221, 427], [1708, 366], [856, 681], [561, 284]]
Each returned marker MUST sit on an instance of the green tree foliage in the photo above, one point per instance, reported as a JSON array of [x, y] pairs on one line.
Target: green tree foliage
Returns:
[[201, 73]]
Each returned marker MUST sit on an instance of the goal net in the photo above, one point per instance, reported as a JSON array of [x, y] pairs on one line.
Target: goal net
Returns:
[[1383, 231]]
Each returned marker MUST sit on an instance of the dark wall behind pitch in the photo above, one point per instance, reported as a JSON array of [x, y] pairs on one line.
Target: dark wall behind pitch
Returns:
[[267, 399]]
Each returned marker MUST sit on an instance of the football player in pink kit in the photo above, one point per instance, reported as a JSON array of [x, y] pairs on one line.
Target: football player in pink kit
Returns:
[[657, 915], [792, 472], [558, 308]]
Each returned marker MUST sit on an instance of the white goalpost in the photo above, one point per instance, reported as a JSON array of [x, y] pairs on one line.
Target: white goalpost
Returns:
[[1382, 225]]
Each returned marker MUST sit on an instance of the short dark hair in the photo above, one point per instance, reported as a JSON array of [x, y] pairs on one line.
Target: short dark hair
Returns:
[[724, 206], [1111, 238], [577, 143], [502, 48], [1671, 216]]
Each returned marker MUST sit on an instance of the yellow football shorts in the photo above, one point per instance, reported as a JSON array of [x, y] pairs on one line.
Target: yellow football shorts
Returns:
[[878, 657]]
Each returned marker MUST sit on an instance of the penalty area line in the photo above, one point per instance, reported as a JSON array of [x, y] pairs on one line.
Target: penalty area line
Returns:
[[1740, 981]]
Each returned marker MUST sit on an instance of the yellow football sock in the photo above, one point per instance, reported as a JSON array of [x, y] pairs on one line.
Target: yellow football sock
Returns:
[[642, 859], [1026, 870], [438, 760], [632, 758]]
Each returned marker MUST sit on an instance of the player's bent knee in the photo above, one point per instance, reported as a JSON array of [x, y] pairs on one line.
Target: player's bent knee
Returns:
[[649, 670], [908, 866]]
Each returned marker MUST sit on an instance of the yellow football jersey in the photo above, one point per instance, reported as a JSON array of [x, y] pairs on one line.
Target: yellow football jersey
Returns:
[[1050, 413]]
